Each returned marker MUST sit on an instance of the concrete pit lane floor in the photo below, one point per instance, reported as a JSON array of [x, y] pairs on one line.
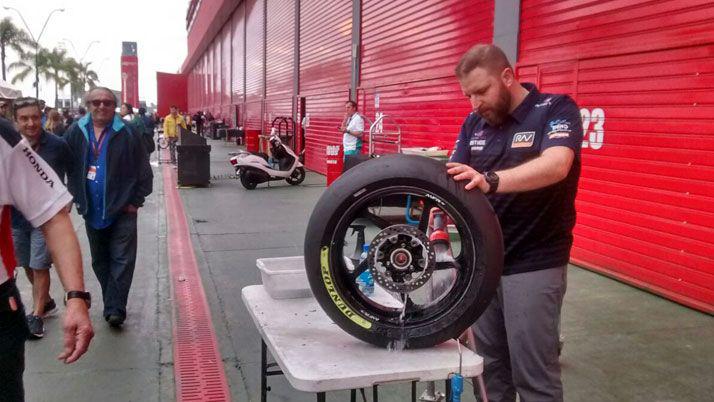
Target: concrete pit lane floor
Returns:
[[621, 343]]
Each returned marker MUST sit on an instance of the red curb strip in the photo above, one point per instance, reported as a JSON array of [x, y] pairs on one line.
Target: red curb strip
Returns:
[[198, 368]]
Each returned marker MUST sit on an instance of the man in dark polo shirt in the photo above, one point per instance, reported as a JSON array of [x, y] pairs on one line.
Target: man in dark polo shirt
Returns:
[[522, 149]]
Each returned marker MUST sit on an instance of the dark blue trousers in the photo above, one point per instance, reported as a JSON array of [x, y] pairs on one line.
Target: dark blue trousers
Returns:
[[13, 332], [113, 259]]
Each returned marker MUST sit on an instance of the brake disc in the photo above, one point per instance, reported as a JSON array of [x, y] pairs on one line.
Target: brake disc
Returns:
[[401, 258]]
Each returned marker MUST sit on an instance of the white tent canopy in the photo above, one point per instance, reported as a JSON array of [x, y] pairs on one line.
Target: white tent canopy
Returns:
[[8, 91]]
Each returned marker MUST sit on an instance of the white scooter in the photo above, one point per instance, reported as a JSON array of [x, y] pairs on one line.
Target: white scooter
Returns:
[[253, 169]]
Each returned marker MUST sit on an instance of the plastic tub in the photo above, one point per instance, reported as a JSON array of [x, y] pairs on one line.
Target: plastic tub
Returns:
[[284, 277]]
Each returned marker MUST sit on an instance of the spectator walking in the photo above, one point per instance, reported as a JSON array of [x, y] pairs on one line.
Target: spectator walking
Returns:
[[54, 123], [30, 247], [28, 183], [44, 112], [198, 121], [5, 108], [110, 179], [81, 111], [126, 111], [172, 121], [149, 127], [67, 117]]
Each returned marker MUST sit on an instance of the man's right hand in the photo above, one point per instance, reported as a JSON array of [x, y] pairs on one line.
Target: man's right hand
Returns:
[[78, 331]]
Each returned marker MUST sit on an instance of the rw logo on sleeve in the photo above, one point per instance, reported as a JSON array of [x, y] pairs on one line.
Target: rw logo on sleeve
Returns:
[[524, 139]]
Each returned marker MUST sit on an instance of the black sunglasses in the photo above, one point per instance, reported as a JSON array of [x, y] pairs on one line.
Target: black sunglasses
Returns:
[[106, 103]]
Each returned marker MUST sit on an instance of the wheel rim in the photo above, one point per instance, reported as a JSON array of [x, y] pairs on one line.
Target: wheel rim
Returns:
[[414, 299]]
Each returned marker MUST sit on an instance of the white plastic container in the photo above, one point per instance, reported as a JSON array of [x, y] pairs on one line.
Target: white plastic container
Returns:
[[284, 277]]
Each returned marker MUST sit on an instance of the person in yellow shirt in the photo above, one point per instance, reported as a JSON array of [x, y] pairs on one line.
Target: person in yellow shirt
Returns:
[[171, 123]]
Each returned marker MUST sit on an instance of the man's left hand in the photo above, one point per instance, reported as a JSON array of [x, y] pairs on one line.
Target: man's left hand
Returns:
[[461, 172], [78, 331], [130, 209]]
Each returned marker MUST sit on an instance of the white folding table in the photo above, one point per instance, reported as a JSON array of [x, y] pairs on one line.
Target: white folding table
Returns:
[[316, 355]]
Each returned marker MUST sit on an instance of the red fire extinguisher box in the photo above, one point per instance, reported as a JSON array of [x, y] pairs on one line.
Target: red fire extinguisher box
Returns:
[[252, 143], [334, 162]]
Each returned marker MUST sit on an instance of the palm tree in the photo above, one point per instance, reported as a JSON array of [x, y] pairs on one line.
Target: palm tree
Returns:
[[80, 76], [13, 37], [57, 70], [26, 65]]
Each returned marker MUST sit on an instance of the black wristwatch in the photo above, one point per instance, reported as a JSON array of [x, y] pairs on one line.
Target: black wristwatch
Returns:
[[78, 294], [492, 180]]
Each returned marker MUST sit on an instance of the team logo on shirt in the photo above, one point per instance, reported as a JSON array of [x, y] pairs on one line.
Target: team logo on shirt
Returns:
[[478, 142], [559, 129], [546, 102], [37, 167], [524, 139]]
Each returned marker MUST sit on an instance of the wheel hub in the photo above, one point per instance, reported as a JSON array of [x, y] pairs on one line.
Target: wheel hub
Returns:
[[401, 258]]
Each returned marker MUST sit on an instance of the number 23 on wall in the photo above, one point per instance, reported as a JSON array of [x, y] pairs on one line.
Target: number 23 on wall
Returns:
[[593, 131]]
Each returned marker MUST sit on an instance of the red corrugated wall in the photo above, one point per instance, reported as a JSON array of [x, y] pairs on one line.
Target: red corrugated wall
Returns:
[[226, 72], [280, 60], [325, 49], [209, 81], [409, 50], [238, 60], [205, 80], [216, 108], [643, 75], [255, 65]]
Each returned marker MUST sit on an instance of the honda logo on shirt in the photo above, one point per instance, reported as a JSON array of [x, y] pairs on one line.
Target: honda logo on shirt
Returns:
[[523, 139]]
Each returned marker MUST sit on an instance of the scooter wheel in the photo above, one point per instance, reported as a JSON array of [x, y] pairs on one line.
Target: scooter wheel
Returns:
[[297, 177], [423, 293], [246, 182]]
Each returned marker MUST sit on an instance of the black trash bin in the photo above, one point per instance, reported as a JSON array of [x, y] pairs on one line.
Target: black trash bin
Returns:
[[194, 165], [193, 159]]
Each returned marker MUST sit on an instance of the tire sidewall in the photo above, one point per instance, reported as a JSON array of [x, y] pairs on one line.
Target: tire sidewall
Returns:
[[431, 176]]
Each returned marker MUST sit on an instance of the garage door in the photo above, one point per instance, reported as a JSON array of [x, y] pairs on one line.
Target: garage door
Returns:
[[643, 75]]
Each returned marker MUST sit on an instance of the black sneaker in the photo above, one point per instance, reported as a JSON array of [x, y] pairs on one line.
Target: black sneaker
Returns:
[[36, 326], [50, 307], [115, 321]]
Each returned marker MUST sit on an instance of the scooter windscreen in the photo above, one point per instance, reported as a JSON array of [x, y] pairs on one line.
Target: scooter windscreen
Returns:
[[399, 255]]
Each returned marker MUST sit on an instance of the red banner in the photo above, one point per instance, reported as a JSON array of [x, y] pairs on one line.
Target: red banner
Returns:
[[130, 80]]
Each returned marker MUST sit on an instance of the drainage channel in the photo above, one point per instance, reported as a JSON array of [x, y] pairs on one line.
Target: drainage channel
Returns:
[[198, 368]]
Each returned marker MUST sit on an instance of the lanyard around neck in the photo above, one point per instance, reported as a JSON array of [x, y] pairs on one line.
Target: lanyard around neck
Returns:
[[97, 144]]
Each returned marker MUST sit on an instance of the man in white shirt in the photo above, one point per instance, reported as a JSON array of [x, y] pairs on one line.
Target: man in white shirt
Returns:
[[29, 184], [352, 129]]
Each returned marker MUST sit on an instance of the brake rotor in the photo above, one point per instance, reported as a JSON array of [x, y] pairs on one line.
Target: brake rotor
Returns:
[[401, 258]]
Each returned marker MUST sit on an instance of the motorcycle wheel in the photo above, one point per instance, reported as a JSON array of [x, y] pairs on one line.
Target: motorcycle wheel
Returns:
[[421, 296], [297, 177], [245, 180]]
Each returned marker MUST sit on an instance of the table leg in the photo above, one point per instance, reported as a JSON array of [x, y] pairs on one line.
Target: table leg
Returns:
[[353, 395], [375, 393], [320, 397], [414, 383], [447, 383], [482, 388], [263, 372]]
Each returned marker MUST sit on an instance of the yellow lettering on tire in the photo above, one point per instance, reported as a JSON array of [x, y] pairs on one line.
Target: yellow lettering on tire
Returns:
[[329, 285]]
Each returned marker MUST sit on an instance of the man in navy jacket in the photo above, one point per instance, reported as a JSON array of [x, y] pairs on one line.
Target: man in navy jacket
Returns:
[[110, 179]]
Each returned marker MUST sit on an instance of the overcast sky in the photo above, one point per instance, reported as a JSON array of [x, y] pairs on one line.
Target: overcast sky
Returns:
[[158, 27]]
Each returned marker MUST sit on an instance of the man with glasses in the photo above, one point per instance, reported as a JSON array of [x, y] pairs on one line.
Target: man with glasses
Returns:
[[110, 179], [29, 184], [30, 246]]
